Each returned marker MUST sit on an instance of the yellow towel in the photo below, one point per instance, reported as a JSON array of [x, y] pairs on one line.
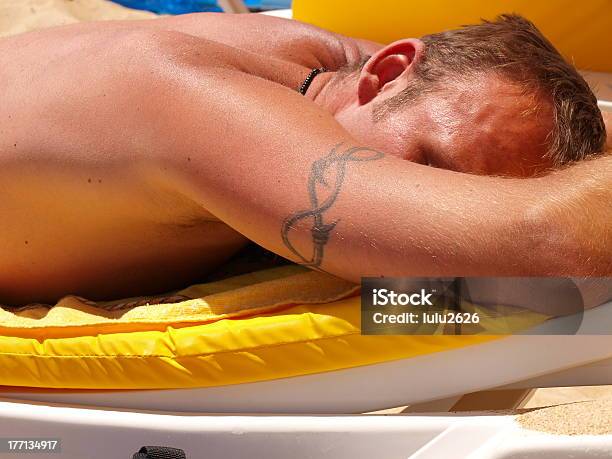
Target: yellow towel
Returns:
[[236, 297], [240, 296]]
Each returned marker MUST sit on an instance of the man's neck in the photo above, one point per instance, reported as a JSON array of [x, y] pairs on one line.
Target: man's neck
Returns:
[[333, 91]]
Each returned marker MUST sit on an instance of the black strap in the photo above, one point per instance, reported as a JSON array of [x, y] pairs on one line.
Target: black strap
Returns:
[[159, 452], [306, 84]]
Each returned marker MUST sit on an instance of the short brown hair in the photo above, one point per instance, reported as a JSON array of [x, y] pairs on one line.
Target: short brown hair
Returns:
[[513, 47]]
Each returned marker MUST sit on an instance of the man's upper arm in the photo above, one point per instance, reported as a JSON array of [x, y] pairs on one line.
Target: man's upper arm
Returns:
[[282, 172]]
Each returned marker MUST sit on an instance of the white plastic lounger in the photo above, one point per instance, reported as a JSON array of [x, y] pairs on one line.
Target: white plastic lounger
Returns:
[[287, 14], [102, 434], [126, 422], [515, 360]]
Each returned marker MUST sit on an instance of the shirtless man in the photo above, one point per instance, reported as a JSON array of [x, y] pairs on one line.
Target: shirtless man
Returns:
[[134, 157]]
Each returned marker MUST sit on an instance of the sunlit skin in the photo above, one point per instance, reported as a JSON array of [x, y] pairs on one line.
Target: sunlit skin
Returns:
[[483, 126], [136, 157]]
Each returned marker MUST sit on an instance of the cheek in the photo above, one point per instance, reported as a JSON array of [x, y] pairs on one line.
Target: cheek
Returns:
[[497, 161], [459, 156], [496, 153], [521, 156]]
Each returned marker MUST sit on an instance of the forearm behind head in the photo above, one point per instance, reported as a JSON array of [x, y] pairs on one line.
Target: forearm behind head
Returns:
[[575, 212]]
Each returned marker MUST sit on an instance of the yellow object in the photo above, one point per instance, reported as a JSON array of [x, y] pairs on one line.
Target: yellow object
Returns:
[[582, 31], [260, 326]]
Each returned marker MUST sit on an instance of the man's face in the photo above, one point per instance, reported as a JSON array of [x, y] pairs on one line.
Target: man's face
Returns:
[[483, 126]]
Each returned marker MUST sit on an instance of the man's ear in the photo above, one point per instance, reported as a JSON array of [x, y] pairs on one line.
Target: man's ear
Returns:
[[387, 66]]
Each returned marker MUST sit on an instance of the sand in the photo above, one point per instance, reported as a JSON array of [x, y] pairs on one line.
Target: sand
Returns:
[[563, 395], [582, 418], [17, 16]]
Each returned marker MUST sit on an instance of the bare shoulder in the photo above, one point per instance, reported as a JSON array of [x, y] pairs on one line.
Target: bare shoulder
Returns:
[[285, 39]]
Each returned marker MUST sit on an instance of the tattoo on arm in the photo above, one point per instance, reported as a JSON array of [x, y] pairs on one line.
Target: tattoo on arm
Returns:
[[327, 172]]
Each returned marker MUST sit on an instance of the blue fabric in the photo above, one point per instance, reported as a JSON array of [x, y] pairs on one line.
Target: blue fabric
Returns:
[[191, 6], [171, 6]]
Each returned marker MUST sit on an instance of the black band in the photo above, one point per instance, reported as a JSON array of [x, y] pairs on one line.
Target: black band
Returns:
[[159, 452], [306, 84]]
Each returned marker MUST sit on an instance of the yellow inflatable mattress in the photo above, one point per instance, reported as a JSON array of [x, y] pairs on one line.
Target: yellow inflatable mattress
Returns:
[[265, 325]]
